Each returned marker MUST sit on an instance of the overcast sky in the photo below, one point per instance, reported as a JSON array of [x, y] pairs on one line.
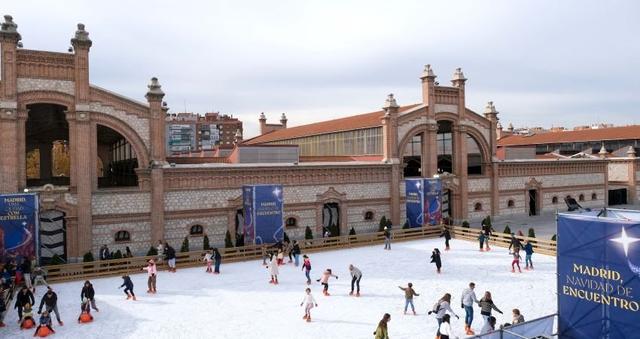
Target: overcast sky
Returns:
[[543, 63]]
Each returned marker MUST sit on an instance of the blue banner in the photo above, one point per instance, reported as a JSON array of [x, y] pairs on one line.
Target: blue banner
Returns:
[[598, 277], [414, 202], [264, 217], [433, 201], [18, 225]]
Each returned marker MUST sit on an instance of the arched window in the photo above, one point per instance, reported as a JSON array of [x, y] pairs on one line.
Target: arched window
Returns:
[[368, 215], [511, 203], [291, 222], [477, 207], [474, 156], [594, 196], [444, 145], [581, 197], [554, 200], [122, 236], [196, 230], [412, 157]]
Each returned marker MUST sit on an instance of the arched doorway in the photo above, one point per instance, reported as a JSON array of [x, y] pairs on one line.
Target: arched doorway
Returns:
[[331, 218], [412, 156], [444, 142], [47, 145], [53, 231], [118, 159]]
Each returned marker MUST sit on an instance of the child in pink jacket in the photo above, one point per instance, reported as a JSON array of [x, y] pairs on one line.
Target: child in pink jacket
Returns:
[[152, 271], [325, 281]]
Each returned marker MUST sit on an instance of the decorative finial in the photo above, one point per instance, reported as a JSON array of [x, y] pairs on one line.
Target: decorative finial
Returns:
[[490, 108], [499, 125], [155, 90], [631, 152], [428, 72], [81, 38], [510, 127], [458, 75], [9, 30], [390, 102], [283, 117], [262, 116]]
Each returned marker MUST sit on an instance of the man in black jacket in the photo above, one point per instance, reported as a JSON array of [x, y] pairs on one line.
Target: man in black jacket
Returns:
[[26, 271], [51, 300], [89, 293], [170, 255], [22, 298]]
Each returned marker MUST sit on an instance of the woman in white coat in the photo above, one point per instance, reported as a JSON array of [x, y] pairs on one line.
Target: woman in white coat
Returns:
[[273, 270]]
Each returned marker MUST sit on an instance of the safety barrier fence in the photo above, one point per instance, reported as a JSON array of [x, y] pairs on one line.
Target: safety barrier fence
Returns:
[[540, 328], [114, 267], [503, 240]]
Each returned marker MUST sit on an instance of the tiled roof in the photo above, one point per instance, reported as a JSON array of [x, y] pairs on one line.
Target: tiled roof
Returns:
[[367, 120], [600, 134]]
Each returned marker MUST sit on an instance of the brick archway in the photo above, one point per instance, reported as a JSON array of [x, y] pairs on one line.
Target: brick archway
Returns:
[[127, 132]]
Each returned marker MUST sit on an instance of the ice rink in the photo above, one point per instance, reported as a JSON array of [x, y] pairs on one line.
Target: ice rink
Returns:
[[240, 303]]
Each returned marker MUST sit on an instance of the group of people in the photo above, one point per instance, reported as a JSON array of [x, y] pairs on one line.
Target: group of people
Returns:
[[105, 254], [19, 272]]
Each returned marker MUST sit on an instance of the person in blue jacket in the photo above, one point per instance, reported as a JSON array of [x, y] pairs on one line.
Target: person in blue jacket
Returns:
[[128, 287], [528, 250], [45, 320], [217, 260]]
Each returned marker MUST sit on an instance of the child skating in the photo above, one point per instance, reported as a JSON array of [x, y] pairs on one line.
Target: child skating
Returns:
[[128, 287], [44, 328], [209, 261], [308, 303], [273, 271], [27, 322], [151, 280], [324, 280], [435, 258], [516, 260], [280, 257], [85, 312], [408, 297], [306, 267]]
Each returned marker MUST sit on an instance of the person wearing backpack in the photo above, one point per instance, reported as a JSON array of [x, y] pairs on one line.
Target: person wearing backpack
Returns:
[[442, 307], [528, 250], [408, 297], [382, 332]]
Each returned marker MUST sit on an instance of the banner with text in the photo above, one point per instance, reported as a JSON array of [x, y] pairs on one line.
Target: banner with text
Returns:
[[598, 265], [18, 225], [433, 201], [264, 217], [414, 202], [423, 202]]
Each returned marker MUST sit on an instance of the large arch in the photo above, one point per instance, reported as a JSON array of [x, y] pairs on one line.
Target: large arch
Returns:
[[45, 97], [127, 132]]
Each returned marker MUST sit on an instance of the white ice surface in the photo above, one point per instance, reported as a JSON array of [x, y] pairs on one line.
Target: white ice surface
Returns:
[[239, 303]]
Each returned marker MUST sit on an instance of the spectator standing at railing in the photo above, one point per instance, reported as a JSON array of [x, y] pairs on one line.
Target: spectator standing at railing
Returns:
[[217, 260], [104, 253], [170, 255], [387, 238], [39, 277], [528, 250]]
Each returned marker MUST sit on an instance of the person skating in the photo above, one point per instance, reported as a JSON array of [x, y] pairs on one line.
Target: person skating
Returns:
[[38, 278], [444, 329], [308, 303], [288, 249], [306, 267], [356, 275], [468, 298], [263, 253], [486, 305], [481, 240], [442, 307], [273, 270], [217, 260], [280, 257], [489, 325], [209, 261], [528, 250], [447, 236], [517, 317], [516, 260], [45, 321], [89, 293], [152, 271], [27, 320], [382, 331], [488, 232], [324, 280], [23, 298], [409, 293], [50, 299], [170, 255], [128, 287], [515, 243], [26, 272], [296, 253], [435, 258], [387, 238], [85, 311]]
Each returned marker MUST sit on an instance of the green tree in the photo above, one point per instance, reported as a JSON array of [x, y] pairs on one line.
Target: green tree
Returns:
[[88, 257], [553, 238], [205, 243], [308, 234], [465, 224], [185, 245], [507, 230], [352, 231], [227, 240], [532, 233], [117, 255]]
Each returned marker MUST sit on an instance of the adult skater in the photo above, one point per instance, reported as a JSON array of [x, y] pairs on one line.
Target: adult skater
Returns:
[[263, 253], [288, 249], [382, 331], [486, 305], [38, 277], [435, 258], [160, 249], [308, 303], [481, 240], [217, 260], [442, 307], [128, 287], [273, 270], [517, 317], [528, 250], [409, 292], [387, 238], [468, 298], [170, 255], [45, 321], [208, 260], [152, 271], [296, 253], [444, 329], [516, 260], [515, 243], [23, 298], [324, 280], [306, 267], [489, 325], [356, 275], [488, 232], [50, 299], [447, 236], [89, 293]]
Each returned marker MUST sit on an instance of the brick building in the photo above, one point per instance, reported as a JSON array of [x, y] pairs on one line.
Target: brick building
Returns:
[[120, 190], [189, 133]]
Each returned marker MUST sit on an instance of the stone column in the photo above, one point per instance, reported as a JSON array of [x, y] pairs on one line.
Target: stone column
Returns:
[[9, 134], [429, 157], [158, 158], [491, 114], [84, 186], [460, 165], [392, 154]]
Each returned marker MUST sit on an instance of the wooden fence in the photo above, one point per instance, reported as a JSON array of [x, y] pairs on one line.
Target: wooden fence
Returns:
[[503, 240], [115, 267]]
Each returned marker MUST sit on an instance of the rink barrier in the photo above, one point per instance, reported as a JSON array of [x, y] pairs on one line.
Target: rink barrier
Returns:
[[117, 267], [500, 239]]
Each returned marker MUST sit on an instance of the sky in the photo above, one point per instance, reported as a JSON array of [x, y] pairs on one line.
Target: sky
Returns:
[[543, 63]]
